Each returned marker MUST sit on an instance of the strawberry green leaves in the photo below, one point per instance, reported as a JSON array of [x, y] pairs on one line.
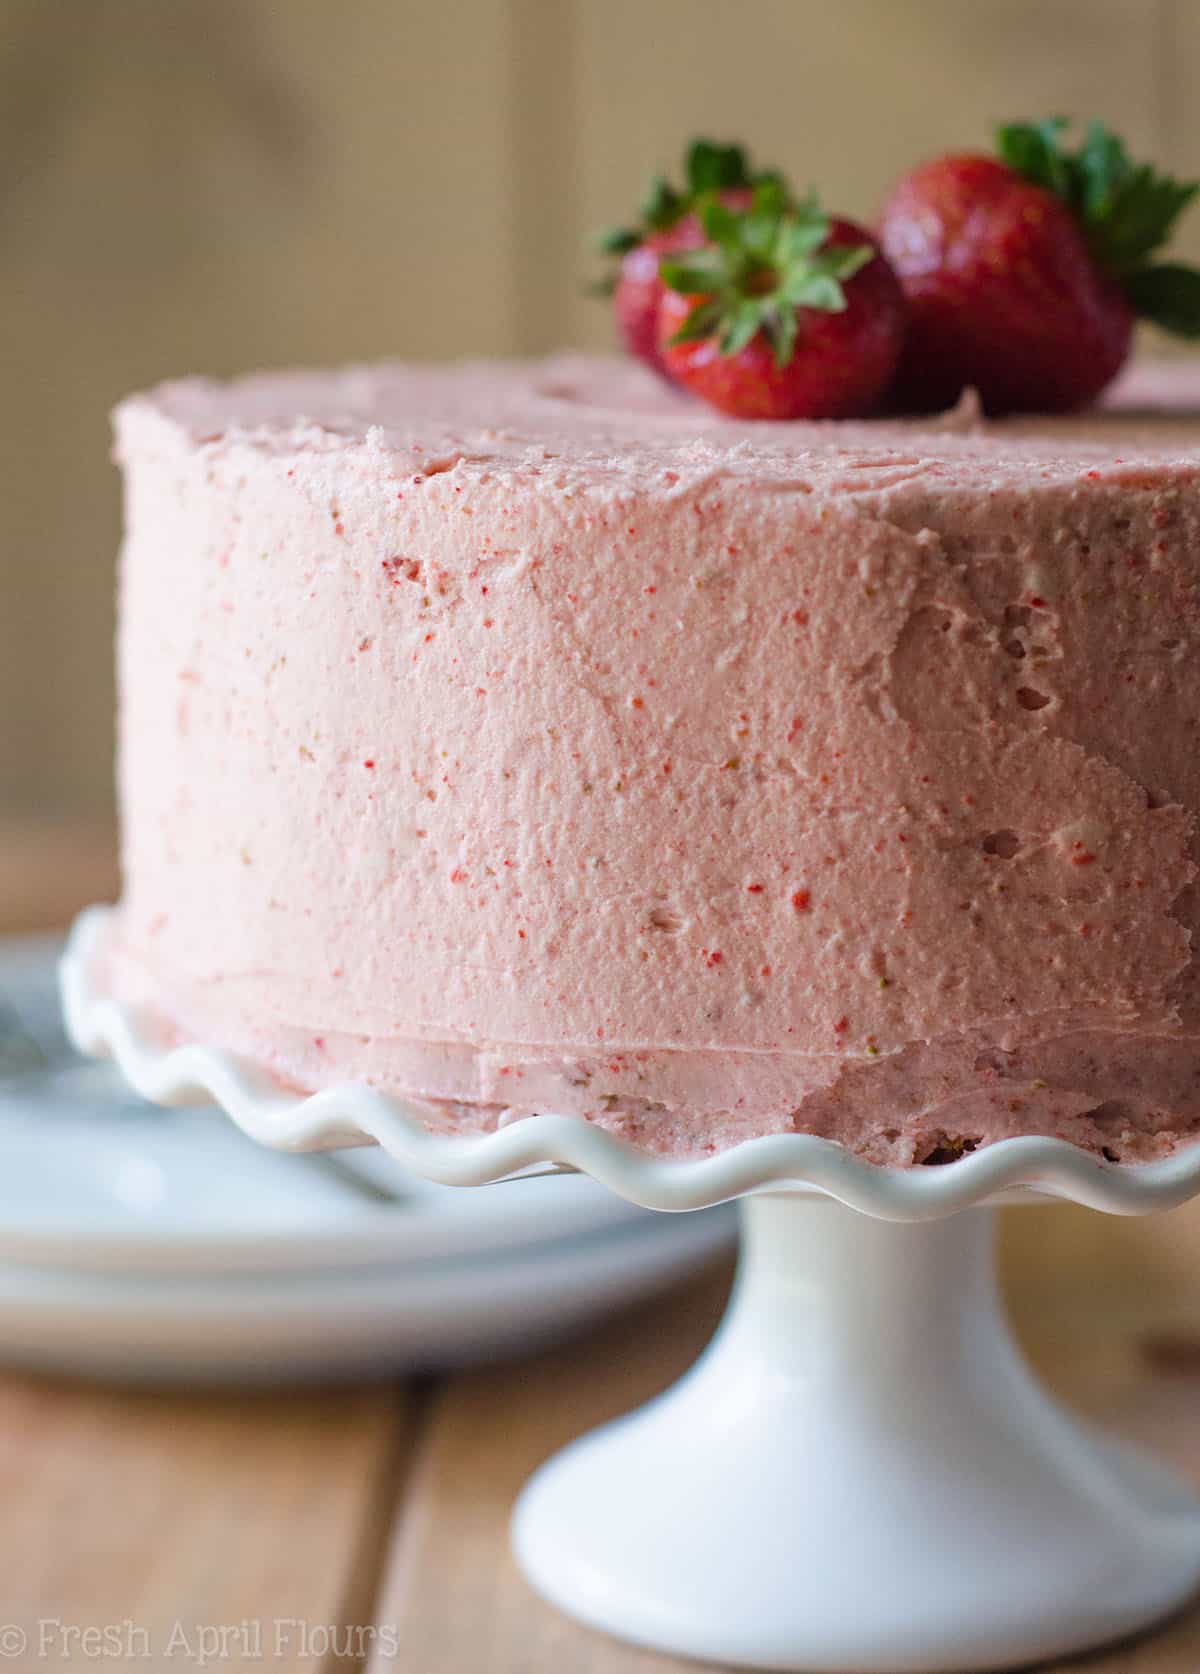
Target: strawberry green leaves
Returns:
[[708, 167], [1126, 210], [1169, 295], [759, 267]]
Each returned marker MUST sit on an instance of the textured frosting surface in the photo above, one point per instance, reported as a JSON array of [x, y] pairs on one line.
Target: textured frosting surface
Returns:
[[522, 738]]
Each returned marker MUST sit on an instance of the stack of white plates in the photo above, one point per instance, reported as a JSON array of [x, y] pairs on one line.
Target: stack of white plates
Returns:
[[145, 1244]]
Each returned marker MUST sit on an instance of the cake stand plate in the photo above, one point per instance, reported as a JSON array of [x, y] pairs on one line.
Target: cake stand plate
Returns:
[[860, 1475]]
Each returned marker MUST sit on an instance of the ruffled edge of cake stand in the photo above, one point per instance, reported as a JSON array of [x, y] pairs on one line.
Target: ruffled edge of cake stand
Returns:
[[172, 1074]]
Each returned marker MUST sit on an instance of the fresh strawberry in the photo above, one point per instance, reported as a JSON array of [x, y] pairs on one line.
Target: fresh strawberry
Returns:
[[783, 314], [1025, 272], [668, 223]]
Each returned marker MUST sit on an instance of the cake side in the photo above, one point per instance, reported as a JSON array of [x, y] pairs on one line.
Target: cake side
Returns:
[[521, 739]]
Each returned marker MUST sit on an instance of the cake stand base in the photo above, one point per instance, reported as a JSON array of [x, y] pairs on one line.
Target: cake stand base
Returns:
[[859, 1475]]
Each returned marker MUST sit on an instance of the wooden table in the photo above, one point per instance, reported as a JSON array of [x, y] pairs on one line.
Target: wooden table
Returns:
[[366, 1527]]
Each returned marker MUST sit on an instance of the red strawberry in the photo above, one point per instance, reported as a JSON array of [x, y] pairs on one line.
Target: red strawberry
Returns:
[[668, 223], [639, 289], [784, 315], [1024, 273]]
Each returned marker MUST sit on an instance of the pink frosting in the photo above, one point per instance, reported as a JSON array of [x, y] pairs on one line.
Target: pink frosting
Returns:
[[523, 737]]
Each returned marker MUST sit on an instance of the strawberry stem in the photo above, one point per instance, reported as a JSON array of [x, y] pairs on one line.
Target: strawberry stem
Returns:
[[709, 167], [759, 267]]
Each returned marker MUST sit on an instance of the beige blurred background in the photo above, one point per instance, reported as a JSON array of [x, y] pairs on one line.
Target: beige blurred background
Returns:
[[214, 185]]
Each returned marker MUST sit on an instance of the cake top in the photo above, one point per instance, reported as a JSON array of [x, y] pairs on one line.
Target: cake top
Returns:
[[601, 419]]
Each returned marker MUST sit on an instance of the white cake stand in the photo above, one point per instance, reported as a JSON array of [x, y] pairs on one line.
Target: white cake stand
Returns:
[[860, 1473]]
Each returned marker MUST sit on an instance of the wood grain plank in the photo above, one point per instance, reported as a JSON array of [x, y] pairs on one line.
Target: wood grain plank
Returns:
[[181, 1514], [452, 1599]]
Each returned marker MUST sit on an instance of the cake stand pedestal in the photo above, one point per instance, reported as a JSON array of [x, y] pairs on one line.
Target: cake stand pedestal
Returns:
[[860, 1475]]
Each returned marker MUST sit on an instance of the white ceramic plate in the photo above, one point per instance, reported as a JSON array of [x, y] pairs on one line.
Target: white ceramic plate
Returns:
[[323, 1327]]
